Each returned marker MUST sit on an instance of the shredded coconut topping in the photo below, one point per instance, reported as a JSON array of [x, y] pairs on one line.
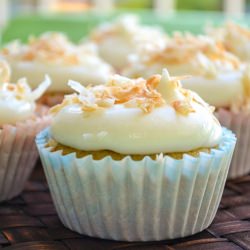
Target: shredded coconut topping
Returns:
[[148, 94], [50, 47], [235, 28], [234, 37], [186, 48], [22, 91]]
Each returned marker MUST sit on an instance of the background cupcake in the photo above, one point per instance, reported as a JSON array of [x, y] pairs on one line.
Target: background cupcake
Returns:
[[118, 39], [20, 120], [53, 54], [210, 66], [144, 159]]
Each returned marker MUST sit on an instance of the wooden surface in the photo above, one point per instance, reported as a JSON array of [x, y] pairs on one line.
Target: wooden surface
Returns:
[[30, 222]]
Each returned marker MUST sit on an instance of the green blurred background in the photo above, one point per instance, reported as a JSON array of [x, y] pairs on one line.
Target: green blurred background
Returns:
[[25, 17]]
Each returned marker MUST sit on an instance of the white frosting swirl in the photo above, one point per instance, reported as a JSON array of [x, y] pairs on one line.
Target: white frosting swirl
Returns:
[[55, 55], [117, 39], [117, 117], [216, 74], [17, 101]]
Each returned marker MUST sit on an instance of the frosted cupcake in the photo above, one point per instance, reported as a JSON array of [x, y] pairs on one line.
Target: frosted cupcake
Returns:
[[234, 37], [55, 55], [135, 160], [117, 39], [20, 120]]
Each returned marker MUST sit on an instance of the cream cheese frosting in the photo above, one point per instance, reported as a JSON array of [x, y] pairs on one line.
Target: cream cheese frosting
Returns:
[[17, 101], [234, 37], [117, 39], [135, 116], [55, 55], [216, 74]]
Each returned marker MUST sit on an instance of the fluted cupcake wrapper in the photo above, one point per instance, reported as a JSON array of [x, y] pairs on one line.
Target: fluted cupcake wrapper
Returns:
[[18, 154], [239, 123], [137, 200]]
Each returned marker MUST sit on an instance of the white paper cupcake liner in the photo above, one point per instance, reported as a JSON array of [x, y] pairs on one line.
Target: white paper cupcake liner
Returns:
[[18, 154], [137, 200], [239, 123]]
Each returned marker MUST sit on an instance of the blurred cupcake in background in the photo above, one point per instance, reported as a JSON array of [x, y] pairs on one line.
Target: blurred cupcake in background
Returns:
[[235, 38], [53, 54], [135, 159], [211, 67], [217, 76], [118, 39], [20, 120]]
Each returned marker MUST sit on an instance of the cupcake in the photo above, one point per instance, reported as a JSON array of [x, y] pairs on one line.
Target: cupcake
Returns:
[[117, 39], [55, 55], [20, 120], [234, 37], [217, 76], [135, 160]]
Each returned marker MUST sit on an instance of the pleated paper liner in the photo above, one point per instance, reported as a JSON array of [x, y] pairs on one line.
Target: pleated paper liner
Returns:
[[239, 123], [137, 200], [18, 153]]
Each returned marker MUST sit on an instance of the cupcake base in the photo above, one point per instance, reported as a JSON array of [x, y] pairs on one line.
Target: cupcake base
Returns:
[[18, 153], [98, 155], [137, 200]]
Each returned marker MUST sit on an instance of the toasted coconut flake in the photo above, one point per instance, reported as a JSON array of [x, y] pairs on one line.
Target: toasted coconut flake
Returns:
[[183, 107], [40, 90], [153, 81], [77, 87]]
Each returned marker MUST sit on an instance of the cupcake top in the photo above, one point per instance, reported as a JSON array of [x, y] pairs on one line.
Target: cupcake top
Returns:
[[17, 101], [216, 74], [54, 49], [118, 39], [135, 116], [184, 54], [234, 37]]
